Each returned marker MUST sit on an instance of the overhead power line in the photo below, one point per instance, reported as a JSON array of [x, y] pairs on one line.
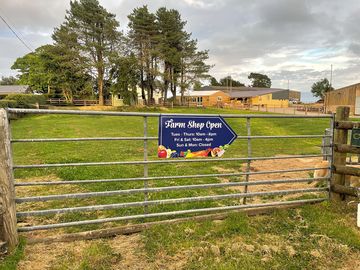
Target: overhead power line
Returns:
[[18, 37]]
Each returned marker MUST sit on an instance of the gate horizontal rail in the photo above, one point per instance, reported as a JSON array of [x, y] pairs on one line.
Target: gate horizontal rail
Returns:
[[128, 191], [140, 162], [96, 181], [156, 138], [107, 113], [162, 214], [170, 201], [210, 196]]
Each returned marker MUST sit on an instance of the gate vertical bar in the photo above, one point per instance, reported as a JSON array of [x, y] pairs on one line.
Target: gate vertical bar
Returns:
[[248, 128], [331, 159], [146, 169], [8, 226]]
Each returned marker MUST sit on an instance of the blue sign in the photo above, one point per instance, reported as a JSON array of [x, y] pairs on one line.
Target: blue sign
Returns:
[[193, 136]]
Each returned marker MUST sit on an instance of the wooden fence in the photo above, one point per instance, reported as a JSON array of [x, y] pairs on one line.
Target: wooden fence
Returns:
[[340, 184], [76, 102]]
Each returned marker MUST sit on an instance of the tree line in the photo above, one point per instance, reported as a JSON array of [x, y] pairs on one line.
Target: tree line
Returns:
[[90, 56], [256, 79]]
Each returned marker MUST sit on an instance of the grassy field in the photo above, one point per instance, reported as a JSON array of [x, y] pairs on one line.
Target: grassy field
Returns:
[[188, 236]]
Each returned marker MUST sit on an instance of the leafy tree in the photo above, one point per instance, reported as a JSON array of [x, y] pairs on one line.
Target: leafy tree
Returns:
[[97, 38], [228, 81], [259, 80], [11, 80], [33, 71], [54, 67], [320, 87]]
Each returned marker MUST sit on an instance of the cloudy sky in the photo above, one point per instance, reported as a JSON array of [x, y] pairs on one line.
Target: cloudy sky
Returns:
[[293, 40]]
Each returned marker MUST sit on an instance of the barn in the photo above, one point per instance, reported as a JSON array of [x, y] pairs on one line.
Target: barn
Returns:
[[345, 96], [255, 96]]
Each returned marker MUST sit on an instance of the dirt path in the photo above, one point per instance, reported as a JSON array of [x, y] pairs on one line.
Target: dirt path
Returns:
[[282, 164]]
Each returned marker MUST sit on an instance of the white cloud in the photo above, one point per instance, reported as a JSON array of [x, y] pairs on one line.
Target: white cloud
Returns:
[[294, 40]]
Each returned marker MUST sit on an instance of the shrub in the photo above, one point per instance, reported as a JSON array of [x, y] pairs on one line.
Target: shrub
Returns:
[[26, 100], [5, 103]]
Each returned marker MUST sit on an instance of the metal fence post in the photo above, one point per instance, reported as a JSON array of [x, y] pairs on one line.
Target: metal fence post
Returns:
[[146, 169], [8, 228], [248, 168], [330, 150]]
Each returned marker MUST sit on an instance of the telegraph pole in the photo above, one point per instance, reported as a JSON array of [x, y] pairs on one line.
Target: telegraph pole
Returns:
[[331, 71]]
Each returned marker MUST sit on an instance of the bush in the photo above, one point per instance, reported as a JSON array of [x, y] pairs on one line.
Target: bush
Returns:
[[5, 103], [26, 100]]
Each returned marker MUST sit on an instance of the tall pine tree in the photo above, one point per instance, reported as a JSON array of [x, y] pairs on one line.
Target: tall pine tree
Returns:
[[144, 37], [97, 38]]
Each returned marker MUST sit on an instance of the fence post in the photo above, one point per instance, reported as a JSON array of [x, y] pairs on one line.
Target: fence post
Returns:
[[339, 159], [8, 228]]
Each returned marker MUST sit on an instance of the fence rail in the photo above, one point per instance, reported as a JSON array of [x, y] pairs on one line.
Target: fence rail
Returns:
[[146, 161], [340, 186]]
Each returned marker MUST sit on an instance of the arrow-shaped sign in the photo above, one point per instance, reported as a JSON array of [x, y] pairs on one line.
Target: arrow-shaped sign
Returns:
[[193, 136]]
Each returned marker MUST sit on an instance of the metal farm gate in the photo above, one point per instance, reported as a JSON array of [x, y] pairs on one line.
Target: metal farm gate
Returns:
[[207, 193]]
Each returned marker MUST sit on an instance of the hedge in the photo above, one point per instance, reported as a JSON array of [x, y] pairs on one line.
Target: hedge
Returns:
[[26, 100], [5, 103]]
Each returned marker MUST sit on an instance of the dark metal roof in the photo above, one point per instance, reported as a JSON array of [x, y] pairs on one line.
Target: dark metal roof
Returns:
[[13, 89]]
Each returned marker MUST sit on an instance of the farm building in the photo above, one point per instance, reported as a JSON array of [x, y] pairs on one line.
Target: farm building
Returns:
[[13, 89], [207, 98], [220, 95], [346, 96]]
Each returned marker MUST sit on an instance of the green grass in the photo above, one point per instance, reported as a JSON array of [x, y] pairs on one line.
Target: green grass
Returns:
[[310, 237], [98, 255], [10, 261]]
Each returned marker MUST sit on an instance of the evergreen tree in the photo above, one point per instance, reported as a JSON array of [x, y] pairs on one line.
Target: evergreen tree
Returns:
[[193, 66], [97, 38], [172, 37], [127, 77], [214, 82], [144, 38]]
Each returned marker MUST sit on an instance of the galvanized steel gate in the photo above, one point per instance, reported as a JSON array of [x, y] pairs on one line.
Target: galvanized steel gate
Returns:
[[228, 199]]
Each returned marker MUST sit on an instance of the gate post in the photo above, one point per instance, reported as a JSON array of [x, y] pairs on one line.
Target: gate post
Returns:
[[339, 159], [8, 228]]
